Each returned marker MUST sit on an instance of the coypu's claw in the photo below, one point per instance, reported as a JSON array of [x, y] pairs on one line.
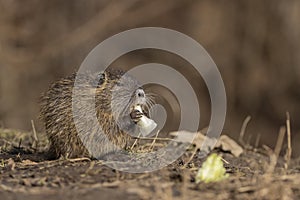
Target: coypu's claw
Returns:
[[136, 115]]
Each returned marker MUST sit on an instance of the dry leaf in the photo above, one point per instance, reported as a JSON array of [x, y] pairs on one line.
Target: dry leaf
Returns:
[[228, 144], [206, 144]]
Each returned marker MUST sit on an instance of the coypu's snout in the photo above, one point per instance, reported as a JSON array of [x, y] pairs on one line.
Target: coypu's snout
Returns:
[[140, 93], [139, 98]]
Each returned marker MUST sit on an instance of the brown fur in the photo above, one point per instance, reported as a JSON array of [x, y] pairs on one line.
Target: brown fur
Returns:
[[57, 115]]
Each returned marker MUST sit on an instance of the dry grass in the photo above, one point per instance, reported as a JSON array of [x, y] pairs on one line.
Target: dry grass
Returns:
[[252, 176]]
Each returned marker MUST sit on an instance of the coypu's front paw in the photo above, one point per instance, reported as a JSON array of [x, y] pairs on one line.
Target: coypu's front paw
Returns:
[[136, 115]]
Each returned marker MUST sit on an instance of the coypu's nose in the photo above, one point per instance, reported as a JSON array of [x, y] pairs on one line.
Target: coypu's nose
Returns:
[[140, 93]]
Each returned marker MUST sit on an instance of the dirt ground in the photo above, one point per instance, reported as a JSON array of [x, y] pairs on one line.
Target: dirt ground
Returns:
[[26, 174]]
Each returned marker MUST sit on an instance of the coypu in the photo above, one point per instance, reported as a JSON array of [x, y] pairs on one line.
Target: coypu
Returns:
[[114, 89]]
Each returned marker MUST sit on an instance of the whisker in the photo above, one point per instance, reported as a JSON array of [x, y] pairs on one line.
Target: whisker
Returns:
[[151, 95], [149, 104]]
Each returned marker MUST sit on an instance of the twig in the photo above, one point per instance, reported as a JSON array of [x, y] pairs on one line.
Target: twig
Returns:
[[151, 138], [225, 161], [273, 160], [289, 150], [6, 141], [153, 142], [243, 129], [248, 143], [257, 140], [280, 139], [156, 145], [78, 159], [191, 158], [135, 142], [90, 167], [35, 138], [20, 143]]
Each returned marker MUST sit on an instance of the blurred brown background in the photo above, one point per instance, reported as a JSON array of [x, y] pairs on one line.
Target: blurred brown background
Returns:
[[255, 44]]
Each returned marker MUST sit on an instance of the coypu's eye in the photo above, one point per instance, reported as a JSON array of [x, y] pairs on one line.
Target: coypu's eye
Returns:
[[101, 78]]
